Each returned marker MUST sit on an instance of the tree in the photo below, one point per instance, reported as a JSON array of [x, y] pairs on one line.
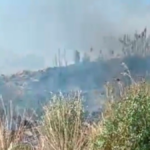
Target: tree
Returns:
[[76, 56]]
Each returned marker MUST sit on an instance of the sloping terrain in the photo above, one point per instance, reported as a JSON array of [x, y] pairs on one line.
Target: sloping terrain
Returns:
[[31, 89]]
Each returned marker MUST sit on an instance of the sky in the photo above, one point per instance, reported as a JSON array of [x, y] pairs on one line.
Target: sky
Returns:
[[32, 31]]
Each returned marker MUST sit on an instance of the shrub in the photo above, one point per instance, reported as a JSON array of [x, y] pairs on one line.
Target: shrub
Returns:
[[63, 127], [126, 123]]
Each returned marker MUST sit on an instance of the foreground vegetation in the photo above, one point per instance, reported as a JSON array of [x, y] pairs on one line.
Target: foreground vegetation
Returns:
[[125, 125]]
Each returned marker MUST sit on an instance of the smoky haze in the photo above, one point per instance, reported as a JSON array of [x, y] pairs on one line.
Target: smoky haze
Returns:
[[38, 28], [86, 22]]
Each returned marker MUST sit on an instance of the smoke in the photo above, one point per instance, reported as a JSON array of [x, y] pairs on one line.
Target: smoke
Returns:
[[42, 27], [82, 24], [86, 22]]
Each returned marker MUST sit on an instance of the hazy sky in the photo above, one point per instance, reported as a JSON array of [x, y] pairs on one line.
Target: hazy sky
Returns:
[[31, 31]]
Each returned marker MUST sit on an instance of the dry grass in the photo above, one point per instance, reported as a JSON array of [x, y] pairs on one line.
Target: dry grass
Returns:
[[138, 45], [11, 138], [125, 124], [63, 127]]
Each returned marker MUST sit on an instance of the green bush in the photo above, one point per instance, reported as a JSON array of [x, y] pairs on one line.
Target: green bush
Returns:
[[126, 123]]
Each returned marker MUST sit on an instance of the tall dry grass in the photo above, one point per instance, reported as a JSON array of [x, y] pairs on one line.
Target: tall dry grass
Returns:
[[11, 135], [63, 125], [125, 124]]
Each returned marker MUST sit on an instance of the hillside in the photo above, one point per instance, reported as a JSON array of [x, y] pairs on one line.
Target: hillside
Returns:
[[32, 89]]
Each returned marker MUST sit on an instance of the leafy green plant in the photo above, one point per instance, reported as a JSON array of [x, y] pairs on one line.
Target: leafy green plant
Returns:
[[126, 123]]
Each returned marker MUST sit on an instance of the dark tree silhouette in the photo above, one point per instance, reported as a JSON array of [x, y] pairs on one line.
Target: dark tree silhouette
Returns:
[[77, 56]]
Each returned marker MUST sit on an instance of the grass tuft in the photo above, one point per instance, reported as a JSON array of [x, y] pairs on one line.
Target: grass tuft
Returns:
[[63, 126]]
